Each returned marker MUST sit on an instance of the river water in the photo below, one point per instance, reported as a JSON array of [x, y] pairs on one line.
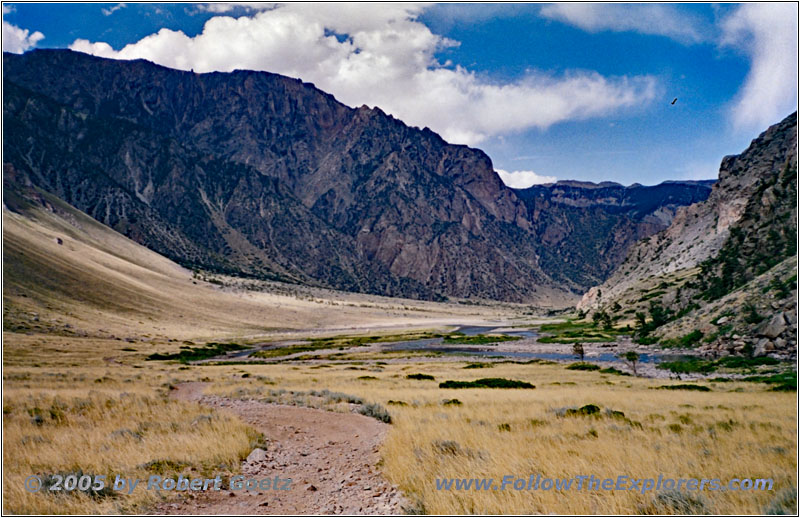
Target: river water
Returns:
[[435, 344]]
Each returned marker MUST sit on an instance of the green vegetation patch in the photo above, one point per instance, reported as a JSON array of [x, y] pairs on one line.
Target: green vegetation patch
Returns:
[[585, 410], [583, 366], [192, 354], [342, 342], [461, 339], [571, 332], [784, 382], [419, 376], [709, 366], [487, 383], [685, 386], [612, 370], [478, 365]]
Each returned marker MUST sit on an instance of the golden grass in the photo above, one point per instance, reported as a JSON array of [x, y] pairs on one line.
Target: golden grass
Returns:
[[103, 407], [738, 430], [109, 433], [101, 284]]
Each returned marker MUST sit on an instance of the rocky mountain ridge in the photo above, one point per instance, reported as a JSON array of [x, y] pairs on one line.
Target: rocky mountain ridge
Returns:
[[256, 174], [722, 277]]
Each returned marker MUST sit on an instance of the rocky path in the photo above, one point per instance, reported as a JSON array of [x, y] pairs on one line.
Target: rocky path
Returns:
[[330, 457]]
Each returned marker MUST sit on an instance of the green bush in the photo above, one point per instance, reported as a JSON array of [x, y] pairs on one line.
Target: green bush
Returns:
[[375, 411], [784, 502], [612, 370], [190, 354], [487, 383], [583, 366], [420, 377], [585, 410], [686, 386]]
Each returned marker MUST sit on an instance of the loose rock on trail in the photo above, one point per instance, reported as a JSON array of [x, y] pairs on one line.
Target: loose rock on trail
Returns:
[[330, 457]]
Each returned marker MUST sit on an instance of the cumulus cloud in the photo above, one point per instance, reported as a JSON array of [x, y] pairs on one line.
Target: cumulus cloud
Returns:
[[658, 19], [523, 179], [380, 55], [767, 33], [226, 7], [17, 40], [108, 11]]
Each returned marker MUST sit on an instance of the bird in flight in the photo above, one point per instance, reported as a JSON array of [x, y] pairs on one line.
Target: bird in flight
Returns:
[[674, 101]]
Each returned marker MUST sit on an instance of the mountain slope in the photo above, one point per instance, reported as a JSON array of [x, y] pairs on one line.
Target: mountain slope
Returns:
[[586, 229], [68, 275], [731, 257], [257, 174], [351, 198]]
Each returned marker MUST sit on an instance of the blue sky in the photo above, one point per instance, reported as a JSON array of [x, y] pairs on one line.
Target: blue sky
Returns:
[[549, 91]]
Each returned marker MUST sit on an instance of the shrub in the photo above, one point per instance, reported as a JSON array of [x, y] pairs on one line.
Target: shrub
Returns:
[[612, 370], [585, 410], [451, 402], [784, 502], [688, 366], [479, 365], [460, 339], [583, 366], [487, 383], [420, 377], [676, 502], [686, 386], [631, 358], [447, 447], [376, 411], [190, 354], [736, 362]]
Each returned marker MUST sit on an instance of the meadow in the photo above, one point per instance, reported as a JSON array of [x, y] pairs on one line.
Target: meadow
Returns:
[[84, 309], [102, 416]]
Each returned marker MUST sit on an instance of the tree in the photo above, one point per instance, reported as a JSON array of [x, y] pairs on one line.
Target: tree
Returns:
[[631, 358], [577, 350], [641, 322], [659, 315]]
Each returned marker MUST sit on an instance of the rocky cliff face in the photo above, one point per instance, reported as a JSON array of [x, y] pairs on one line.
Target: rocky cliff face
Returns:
[[259, 174], [724, 267], [570, 217]]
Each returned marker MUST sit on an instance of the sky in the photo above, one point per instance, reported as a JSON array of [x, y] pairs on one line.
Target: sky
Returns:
[[550, 92]]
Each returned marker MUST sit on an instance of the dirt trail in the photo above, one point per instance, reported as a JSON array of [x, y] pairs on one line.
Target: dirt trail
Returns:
[[329, 456]]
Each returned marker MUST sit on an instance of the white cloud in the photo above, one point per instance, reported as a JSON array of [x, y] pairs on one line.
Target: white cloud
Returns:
[[658, 19], [523, 179], [108, 11], [768, 34], [226, 7], [17, 40], [384, 57], [7, 9]]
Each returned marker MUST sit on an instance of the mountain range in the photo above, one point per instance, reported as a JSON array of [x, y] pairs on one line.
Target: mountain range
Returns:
[[259, 175], [723, 276]]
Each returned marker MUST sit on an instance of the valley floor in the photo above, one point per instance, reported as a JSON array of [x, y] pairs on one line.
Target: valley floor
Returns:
[[100, 335]]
